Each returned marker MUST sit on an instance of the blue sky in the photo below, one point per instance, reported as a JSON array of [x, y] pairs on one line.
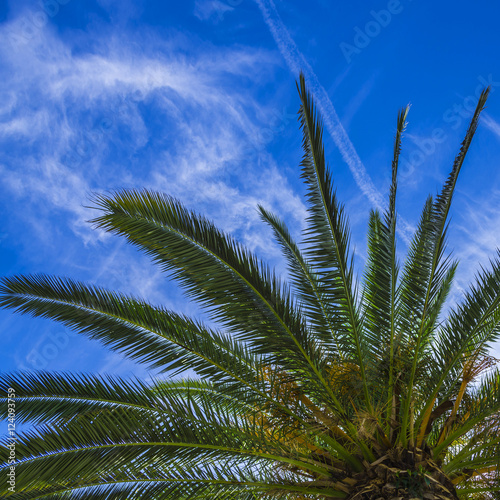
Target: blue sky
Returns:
[[198, 99]]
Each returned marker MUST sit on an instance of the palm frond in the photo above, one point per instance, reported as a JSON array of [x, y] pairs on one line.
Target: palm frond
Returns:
[[51, 397], [327, 236], [469, 331], [310, 288], [429, 263], [381, 276], [123, 439], [154, 336], [486, 404]]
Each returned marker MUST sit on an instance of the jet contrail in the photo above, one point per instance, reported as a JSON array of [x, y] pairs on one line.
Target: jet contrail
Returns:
[[297, 62]]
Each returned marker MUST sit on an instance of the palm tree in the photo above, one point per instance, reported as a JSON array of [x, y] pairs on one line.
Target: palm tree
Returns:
[[318, 389]]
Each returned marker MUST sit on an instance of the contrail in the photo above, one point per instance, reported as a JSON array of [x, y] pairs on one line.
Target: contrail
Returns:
[[492, 124], [297, 62]]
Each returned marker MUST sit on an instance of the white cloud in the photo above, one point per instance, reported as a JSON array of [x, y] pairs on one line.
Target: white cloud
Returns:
[[480, 232], [63, 90], [358, 99], [87, 117], [491, 124]]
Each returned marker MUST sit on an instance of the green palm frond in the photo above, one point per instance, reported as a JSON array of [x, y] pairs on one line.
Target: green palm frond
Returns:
[[50, 397], [486, 404], [328, 236], [309, 286], [125, 440], [380, 289], [468, 333], [154, 336], [56, 398], [380, 293], [429, 271]]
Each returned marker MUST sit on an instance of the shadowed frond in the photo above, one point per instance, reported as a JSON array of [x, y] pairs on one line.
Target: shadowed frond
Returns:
[[310, 288]]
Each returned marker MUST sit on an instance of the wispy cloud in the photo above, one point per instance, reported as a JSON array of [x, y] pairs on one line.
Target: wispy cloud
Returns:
[[84, 115], [132, 111], [491, 124], [358, 99], [479, 228], [206, 9]]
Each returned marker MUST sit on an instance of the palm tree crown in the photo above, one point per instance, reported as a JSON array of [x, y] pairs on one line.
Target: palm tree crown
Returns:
[[319, 388]]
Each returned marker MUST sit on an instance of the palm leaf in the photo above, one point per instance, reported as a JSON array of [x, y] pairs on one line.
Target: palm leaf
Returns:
[[327, 237], [427, 273], [310, 288]]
